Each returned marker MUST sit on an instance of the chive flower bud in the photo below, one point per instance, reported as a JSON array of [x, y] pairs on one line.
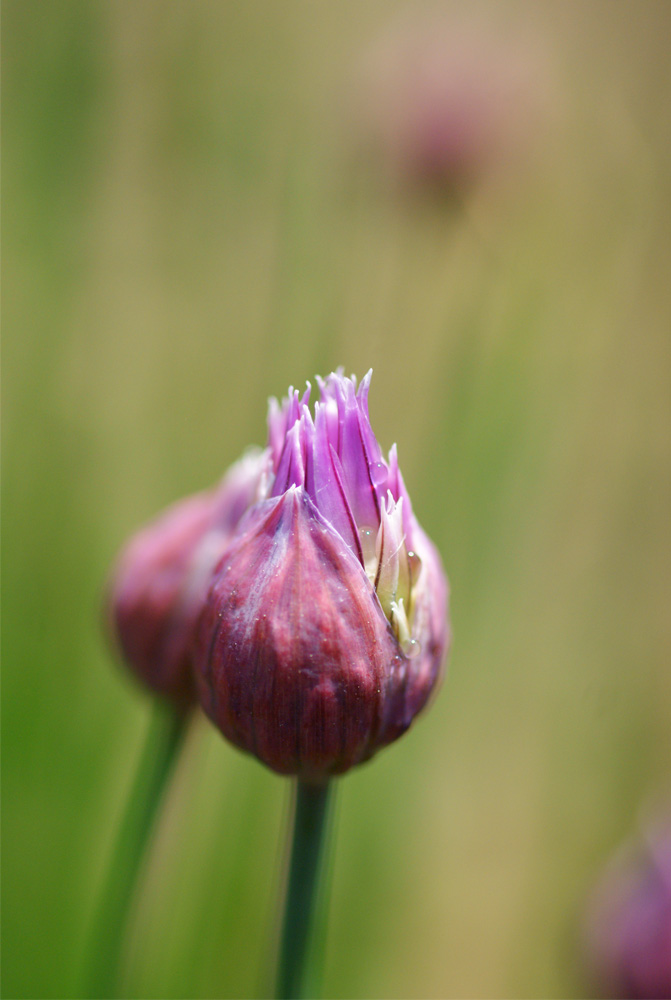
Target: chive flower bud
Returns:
[[628, 922], [162, 575], [443, 106], [325, 627]]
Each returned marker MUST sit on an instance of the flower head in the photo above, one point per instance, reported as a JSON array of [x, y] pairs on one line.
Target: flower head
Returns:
[[325, 626], [162, 575]]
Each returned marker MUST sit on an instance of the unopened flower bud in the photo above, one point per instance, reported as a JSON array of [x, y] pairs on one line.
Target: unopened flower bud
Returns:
[[162, 576], [325, 626], [628, 924], [441, 104]]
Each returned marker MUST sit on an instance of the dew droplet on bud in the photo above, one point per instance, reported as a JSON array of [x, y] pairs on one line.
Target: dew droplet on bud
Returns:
[[378, 474], [368, 537], [411, 648]]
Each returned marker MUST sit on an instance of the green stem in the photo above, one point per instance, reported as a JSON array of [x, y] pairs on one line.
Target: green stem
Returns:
[[310, 825], [164, 737]]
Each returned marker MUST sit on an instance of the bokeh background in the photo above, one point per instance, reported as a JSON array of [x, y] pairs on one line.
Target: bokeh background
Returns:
[[200, 208]]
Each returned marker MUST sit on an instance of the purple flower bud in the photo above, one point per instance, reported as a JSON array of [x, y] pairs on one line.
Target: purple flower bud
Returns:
[[628, 926], [162, 575], [443, 104], [325, 627]]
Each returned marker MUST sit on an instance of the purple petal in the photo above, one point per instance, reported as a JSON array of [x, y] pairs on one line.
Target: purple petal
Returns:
[[325, 486], [291, 468], [398, 490], [359, 486], [379, 472], [282, 417]]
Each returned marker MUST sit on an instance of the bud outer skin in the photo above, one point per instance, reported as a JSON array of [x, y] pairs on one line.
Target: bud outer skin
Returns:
[[295, 654]]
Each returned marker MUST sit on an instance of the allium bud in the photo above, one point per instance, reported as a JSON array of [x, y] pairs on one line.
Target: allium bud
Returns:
[[325, 626], [162, 576], [442, 104], [628, 926]]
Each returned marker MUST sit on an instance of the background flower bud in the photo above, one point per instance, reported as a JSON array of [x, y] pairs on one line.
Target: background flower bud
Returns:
[[162, 576], [325, 626], [441, 103], [628, 925]]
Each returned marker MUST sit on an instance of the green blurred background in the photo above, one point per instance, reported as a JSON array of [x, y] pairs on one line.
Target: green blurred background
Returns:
[[188, 229]]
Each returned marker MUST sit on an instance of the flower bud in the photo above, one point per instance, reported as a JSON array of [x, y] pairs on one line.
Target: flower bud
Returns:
[[325, 625], [628, 925], [162, 576], [442, 105]]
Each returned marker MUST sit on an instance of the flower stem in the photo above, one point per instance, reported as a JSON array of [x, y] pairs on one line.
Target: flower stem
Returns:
[[306, 868], [164, 737]]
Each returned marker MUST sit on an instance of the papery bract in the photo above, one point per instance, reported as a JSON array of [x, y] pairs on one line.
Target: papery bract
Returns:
[[325, 626]]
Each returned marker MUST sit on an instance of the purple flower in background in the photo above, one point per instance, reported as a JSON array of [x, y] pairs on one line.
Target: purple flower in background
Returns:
[[162, 575], [325, 627], [628, 925], [441, 103]]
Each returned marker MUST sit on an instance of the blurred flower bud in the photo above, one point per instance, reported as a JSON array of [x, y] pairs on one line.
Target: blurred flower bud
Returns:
[[441, 103], [325, 627], [162, 576], [628, 926]]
